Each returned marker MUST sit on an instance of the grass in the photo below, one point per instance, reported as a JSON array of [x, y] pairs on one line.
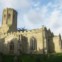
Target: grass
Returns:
[[33, 58]]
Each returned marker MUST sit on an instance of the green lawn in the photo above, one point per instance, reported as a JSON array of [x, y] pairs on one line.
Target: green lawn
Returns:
[[33, 58]]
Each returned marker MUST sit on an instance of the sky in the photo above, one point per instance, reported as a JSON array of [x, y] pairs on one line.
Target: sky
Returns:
[[32, 14]]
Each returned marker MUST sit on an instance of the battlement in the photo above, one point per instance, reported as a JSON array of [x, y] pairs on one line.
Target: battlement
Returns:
[[26, 32], [9, 9]]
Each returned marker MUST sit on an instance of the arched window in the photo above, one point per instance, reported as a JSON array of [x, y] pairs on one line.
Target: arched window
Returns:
[[9, 19], [33, 44], [11, 47], [4, 16], [9, 15]]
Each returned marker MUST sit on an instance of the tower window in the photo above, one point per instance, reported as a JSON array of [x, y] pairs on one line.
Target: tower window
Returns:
[[9, 16], [4, 15]]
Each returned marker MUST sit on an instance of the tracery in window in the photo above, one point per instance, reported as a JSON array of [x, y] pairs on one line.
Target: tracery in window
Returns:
[[33, 43]]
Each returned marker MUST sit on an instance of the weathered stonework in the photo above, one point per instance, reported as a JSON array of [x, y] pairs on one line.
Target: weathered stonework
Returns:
[[36, 41]]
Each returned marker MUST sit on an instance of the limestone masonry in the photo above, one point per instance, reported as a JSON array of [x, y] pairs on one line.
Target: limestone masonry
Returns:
[[36, 41]]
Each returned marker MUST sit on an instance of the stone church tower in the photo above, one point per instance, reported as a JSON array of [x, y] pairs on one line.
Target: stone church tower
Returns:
[[9, 19]]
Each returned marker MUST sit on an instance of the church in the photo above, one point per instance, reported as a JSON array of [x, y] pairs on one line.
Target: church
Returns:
[[35, 41]]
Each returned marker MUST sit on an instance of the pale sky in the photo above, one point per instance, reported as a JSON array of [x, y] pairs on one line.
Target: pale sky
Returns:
[[33, 14]]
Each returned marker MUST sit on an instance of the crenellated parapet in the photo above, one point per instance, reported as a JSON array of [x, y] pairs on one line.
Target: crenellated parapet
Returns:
[[23, 32]]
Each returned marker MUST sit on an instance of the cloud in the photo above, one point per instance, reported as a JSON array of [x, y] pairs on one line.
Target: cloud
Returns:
[[35, 13], [19, 5], [16, 3], [48, 15]]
